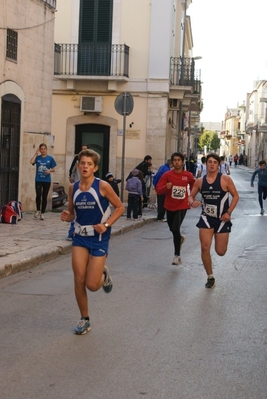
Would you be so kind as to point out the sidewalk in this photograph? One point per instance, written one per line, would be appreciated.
(31, 242)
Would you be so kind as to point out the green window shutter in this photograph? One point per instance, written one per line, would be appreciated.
(95, 21)
(95, 32)
(87, 17)
(104, 21)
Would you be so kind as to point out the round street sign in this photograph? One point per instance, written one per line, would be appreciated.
(124, 103)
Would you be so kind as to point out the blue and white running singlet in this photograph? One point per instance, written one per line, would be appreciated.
(90, 208)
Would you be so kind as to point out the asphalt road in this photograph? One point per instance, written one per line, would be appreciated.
(159, 335)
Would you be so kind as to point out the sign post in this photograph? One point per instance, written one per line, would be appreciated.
(124, 106)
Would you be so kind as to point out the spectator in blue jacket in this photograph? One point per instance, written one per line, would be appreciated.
(161, 198)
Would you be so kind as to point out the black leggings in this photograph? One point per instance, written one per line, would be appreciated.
(174, 220)
(42, 189)
(262, 192)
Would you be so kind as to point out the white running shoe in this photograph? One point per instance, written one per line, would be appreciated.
(37, 214)
(42, 216)
(176, 260)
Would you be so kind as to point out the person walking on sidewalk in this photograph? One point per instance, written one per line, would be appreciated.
(161, 198)
(73, 172)
(89, 201)
(215, 219)
(236, 160)
(45, 165)
(134, 187)
(262, 183)
(202, 169)
(174, 184)
(224, 168)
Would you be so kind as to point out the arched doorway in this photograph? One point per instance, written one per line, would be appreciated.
(10, 148)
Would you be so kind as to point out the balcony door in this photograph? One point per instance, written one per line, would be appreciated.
(95, 32)
(96, 137)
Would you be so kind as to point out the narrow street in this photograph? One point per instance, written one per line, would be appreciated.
(160, 334)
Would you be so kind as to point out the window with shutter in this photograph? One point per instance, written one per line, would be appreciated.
(95, 37)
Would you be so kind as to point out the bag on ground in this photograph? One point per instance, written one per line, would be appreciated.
(16, 205)
(8, 215)
(11, 213)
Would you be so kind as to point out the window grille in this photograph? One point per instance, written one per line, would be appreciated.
(11, 44)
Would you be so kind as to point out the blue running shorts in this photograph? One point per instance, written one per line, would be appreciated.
(95, 248)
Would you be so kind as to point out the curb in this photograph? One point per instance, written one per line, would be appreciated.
(34, 259)
(38, 255)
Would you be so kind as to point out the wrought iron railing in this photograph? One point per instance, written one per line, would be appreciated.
(91, 60)
(51, 3)
(183, 73)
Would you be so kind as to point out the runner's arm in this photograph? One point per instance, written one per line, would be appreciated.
(253, 177)
(108, 192)
(68, 215)
(196, 188)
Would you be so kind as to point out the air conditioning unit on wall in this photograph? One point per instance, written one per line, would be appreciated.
(91, 104)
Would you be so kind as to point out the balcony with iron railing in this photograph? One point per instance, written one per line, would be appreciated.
(183, 73)
(51, 3)
(92, 60)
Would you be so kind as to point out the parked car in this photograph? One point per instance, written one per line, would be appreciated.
(59, 197)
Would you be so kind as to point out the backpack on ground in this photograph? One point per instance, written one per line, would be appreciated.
(11, 213)
(16, 205)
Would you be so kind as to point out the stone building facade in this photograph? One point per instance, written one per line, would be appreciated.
(26, 70)
(141, 47)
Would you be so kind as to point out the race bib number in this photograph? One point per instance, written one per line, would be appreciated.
(178, 192)
(211, 210)
(85, 231)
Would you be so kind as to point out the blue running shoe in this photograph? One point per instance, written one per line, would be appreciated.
(82, 327)
(108, 283)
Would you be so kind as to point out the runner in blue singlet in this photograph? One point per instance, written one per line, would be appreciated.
(89, 200)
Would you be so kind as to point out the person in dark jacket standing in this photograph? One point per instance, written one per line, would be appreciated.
(145, 167)
(134, 187)
(113, 182)
(161, 197)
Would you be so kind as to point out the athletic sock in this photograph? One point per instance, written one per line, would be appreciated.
(85, 318)
(210, 276)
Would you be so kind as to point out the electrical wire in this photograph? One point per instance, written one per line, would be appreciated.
(29, 27)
